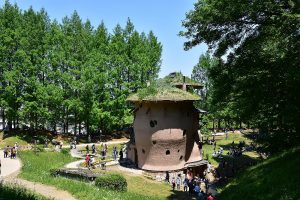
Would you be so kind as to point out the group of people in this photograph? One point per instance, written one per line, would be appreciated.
(191, 185)
(10, 152)
(89, 159)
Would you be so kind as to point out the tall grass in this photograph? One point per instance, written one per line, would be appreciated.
(36, 167)
(10, 191)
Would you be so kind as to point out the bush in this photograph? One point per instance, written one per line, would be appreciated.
(112, 182)
(75, 173)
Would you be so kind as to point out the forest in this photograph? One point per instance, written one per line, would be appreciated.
(69, 73)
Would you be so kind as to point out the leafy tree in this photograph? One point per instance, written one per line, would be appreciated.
(260, 77)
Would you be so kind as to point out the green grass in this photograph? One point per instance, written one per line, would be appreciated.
(225, 144)
(276, 178)
(36, 167)
(15, 191)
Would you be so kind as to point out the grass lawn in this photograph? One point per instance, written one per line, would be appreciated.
(98, 148)
(36, 168)
(275, 178)
(226, 144)
(11, 140)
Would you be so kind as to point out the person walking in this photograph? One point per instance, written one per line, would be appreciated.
(87, 148)
(167, 177)
(114, 153)
(93, 149)
(173, 183)
(121, 154)
(5, 152)
(178, 182)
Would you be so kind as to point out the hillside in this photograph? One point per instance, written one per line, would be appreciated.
(276, 178)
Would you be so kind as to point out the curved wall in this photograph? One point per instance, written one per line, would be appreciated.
(165, 135)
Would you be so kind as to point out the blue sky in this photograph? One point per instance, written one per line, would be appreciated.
(163, 17)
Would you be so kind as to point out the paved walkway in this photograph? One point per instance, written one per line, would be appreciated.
(10, 169)
(9, 166)
(97, 144)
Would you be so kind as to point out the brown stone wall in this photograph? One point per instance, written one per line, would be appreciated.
(165, 135)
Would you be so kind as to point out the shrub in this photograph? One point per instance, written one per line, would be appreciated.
(64, 151)
(112, 182)
(75, 173)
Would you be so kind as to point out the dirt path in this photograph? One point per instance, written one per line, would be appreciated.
(10, 169)
(45, 190)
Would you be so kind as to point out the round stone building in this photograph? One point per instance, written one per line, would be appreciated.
(165, 126)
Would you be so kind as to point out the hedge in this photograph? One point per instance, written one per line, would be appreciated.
(112, 182)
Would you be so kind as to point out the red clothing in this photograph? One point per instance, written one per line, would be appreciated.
(87, 158)
(210, 197)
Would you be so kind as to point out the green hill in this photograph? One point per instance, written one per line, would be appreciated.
(276, 178)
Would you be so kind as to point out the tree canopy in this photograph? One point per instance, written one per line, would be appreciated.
(71, 74)
(258, 46)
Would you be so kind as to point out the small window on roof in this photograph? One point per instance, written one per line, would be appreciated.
(168, 152)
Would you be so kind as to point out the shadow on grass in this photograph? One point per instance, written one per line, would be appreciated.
(180, 195)
(30, 135)
(276, 178)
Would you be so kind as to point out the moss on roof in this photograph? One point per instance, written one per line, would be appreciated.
(161, 90)
(176, 78)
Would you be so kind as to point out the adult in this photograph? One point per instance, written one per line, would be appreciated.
(206, 185)
(121, 154)
(5, 151)
(87, 149)
(103, 154)
(167, 177)
(173, 183)
(178, 182)
(93, 149)
(191, 187)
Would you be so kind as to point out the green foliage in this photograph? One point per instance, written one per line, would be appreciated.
(261, 181)
(258, 81)
(37, 168)
(164, 89)
(70, 73)
(18, 192)
(112, 181)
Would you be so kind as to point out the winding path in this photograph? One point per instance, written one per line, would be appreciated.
(10, 169)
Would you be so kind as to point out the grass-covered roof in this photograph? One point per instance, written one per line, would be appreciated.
(163, 90)
(176, 78)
